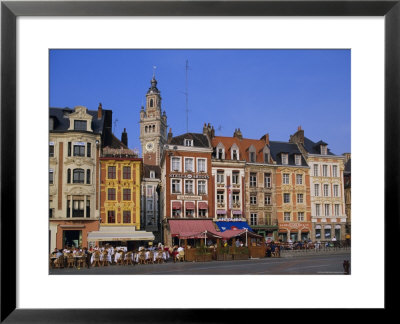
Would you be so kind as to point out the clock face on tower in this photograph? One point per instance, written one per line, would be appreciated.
(150, 146)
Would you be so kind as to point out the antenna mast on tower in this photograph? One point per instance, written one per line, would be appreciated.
(187, 98)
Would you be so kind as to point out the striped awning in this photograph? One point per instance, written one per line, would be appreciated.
(203, 205)
(176, 205)
(189, 205)
(221, 212)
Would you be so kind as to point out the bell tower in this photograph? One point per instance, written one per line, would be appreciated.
(153, 126)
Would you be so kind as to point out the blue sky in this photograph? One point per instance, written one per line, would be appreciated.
(258, 91)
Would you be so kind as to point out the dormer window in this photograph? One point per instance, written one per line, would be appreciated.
(252, 154)
(51, 123)
(152, 174)
(188, 142)
(235, 152)
(284, 158)
(324, 150)
(297, 159)
(220, 152)
(80, 125)
(266, 153)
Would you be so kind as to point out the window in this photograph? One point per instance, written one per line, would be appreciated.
(284, 158)
(317, 210)
(267, 200)
(268, 219)
(51, 181)
(152, 174)
(111, 194)
(267, 180)
(176, 164)
(51, 212)
(253, 199)
(337, 206)
(149, 205)
(266, 158)
(201, 187)
(201, 165)
(69, 148)
(327, 233)
(327, 208)
(220, 177)
(126, 194)
(253, 157)
(317, 233)
(220, 197)
(324, 170)
(176, 212)
(126, 172)
(324, 150)
(69, 176)
(286, 198)
(176, 186)
(189, 213)
(80, 125)
(326, 190)
(299, 179)
(79, 149)
(300, 199)
(77, 208)
(188, 142)
(89, 150)
(51, 150)
(126, 216)
(88, 208)
(51, 123)
(253, 179)
(253, 219)
(316, 190)
(285, 178)
(79, 176)
(151, 102)
(235, 154)
(315, 170)
(334, 171)
(297, 159)
(220, 153)
(189, 165)
(286, 216)
(236, 199)
(202, 212)
(189, 186)
(336, 190)
(235, 177)
(112, 172)
(300, 216)
(111, 217)
(88, 176)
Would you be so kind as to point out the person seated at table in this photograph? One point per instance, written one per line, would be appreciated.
(175, 253)
(58, 253)
(181, 249)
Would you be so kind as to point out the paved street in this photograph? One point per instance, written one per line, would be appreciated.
(308, 265)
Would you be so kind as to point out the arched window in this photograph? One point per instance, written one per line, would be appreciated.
(154, 128)
(69, 176)
(151, 102)
(145, 129)
(220, 151)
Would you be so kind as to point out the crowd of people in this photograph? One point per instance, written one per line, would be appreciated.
(110, 255)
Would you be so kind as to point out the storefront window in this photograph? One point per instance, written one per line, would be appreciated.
(327, 233)
(318, 234)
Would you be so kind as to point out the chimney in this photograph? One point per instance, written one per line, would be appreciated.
(124, 137)
(169, 136)
(238, 133)
(100, 111)
(265, 138)
(298, 137)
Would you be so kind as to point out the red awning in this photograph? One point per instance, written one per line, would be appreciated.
(189, 205)
(176, 205)
(203, 205)
(221, 211)
(192, 227)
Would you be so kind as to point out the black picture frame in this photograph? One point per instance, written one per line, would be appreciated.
(10, 10)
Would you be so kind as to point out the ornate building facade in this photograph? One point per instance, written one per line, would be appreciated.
(75, 143)
(327, 190)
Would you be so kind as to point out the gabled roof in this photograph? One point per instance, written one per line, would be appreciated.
(314, 148)
(61, 120)
(277, 148)
(199, 140)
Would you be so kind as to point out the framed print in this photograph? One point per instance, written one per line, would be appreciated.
(369, 30)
